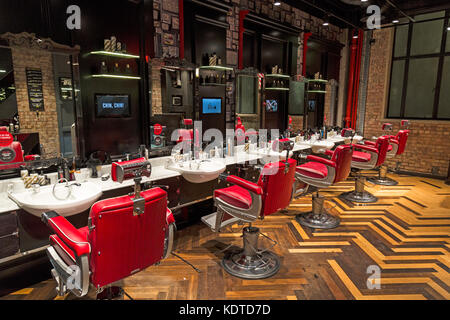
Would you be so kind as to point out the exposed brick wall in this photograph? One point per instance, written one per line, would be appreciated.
(155, 76)
(167, 27)
(297, 122)
(429, 142)
(47, 122)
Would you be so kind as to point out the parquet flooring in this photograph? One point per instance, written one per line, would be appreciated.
(406, 234)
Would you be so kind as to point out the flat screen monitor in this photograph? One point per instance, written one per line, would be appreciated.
(312, 105)
(112, 105)
(271, 105)
(212, 105)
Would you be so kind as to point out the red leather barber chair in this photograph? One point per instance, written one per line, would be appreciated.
(245, 202)
(124, 235)
(322, 173)
(243, 136)
(370, 157)
(11, 153)
(397, 145)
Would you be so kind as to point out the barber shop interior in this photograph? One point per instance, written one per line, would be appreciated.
(193, 150)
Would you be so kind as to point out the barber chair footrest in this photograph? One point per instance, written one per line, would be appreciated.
(318, 221)
(359, 197)
(260, 266)
(383, 181)
(211, 220)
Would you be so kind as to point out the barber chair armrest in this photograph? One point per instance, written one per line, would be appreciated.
(324, 161)
(329, 153)
(370, 143)
(365, 148)
(394, 141)
(67, 233)
(250, 186)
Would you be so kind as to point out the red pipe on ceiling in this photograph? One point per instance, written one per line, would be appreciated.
(242, 15)
(181, 19)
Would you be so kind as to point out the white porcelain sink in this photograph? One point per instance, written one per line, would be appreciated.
(198, 172)
(319, 146)
(43, 200)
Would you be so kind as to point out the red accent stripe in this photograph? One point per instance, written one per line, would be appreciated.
(242, 15)
(305, 50)
(181, 19)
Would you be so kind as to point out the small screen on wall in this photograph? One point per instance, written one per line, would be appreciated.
(212, 105)
(110, 106)
(271, 105)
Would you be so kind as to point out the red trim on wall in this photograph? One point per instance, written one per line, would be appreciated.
(305, 50)
(353, 81)
(181, 18)
(242, 15)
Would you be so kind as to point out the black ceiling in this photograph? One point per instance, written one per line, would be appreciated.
(347, 13)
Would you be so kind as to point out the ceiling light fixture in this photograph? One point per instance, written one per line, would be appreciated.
(277, 3)
(2, 71)
(395, 21)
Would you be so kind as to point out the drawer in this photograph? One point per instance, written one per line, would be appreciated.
(9, 246)
(8, 223)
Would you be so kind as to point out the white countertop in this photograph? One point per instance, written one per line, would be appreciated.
(159, 172)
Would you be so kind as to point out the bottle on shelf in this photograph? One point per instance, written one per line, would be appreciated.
(103, 67)
(116, 68)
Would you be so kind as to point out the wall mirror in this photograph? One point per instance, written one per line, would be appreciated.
(39, 96)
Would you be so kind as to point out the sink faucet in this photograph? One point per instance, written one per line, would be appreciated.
(63, 169)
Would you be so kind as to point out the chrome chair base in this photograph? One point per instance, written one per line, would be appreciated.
(318, 220)
(249, 262)
(383, 181)
(359, 197)
(261, 266)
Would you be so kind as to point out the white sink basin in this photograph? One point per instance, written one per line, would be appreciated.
(207, 171)
(36, 203)
(319, 146)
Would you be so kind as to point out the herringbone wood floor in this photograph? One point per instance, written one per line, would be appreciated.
(406, 234)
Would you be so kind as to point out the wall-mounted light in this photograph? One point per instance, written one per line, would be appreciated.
(395, 21)
(2, 71)
(448, 28)
(277, 3)
(326, 20)
(364, 0)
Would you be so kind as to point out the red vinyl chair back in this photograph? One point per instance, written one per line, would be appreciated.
(402, 138)
(382, 145)
(342, 156)
(276, 183)
(13, 152)
(122, 243)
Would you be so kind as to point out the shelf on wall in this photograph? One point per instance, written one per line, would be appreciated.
(317, 91)
(278, 89)
(317, 80)
(115, 54)
(222, 68)
(115, 76)
(213, 85)
(277, 76)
